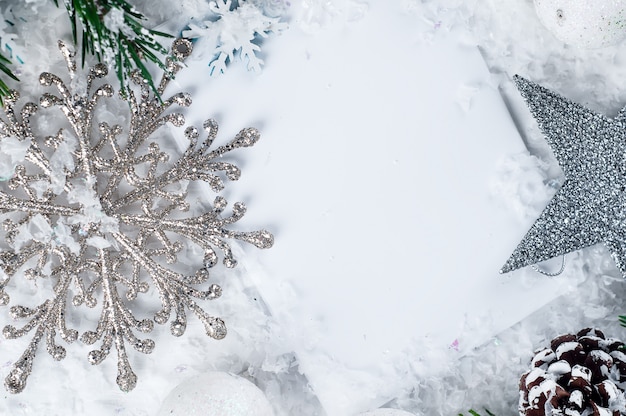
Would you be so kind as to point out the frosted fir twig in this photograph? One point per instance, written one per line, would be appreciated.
(5, 53)
(114, 31)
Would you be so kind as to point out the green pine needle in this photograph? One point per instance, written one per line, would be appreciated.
(4, 88)
(129, 48)
(622, 320)
(475, 413)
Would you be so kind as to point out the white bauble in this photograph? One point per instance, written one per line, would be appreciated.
(584, 23)
(386, 412)
(216, 394)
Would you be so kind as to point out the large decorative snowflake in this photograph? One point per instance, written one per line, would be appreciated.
(101, 214)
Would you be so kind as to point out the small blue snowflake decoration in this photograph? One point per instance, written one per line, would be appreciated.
(235, 31)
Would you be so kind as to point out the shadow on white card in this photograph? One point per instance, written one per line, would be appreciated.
(375, 168)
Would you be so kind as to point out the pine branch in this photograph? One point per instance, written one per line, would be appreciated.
(475, 413)
(113, 31)
(4, 88)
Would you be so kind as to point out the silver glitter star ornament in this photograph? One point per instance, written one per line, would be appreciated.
(590, 206)
(97, 216)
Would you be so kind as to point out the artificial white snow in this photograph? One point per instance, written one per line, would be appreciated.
(584, 24)
(36, 229)
(62, 160)
(32, 47)
(520, 185)
(12, 153)
(63, 236)
(512, 40)
(576, 397)
(565, 348)
(272, 8)
(558, 368)
(35, 4)
(79, 84)
(92, 213)
(604, 357)
(581, 371)
(387, 412)
(534, 374)
(617, 400)
(546, 388)
(314, 16)
(611, 389)
(544, 356)
(618, 355)
(114, 21)
(40, 187)
(98, 242)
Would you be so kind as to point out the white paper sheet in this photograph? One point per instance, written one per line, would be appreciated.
(374, 170)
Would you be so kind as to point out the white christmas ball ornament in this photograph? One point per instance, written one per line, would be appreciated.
(387, 412)
(584, 23)
(216, 394)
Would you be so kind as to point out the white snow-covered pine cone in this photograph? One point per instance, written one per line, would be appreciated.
(578, 375)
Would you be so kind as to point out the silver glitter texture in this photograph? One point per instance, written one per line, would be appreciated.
(590, 206)
(115, 219)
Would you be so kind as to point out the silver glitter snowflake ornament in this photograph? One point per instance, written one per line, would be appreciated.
(98, 214)
(590, 206)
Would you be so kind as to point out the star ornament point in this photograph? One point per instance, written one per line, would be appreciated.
(590, 206)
